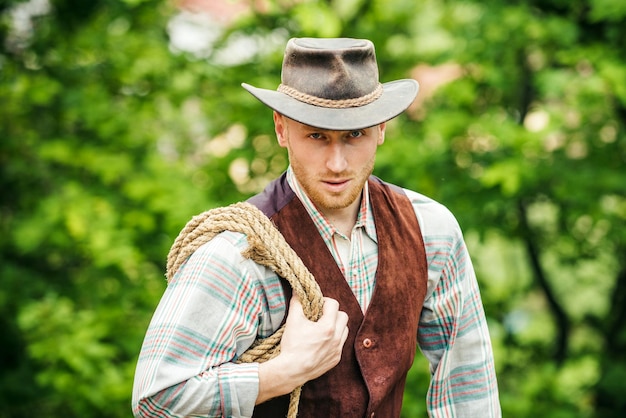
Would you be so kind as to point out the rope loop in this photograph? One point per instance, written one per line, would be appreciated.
(267, 247)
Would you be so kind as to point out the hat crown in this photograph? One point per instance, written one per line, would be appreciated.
(330, 69)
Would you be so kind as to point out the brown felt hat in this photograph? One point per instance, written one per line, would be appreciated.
(332, 83)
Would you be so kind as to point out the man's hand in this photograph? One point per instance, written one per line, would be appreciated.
(307, 350)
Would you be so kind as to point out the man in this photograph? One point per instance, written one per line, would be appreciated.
(391, 263)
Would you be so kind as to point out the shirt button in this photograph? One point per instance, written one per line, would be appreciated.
(367, 343)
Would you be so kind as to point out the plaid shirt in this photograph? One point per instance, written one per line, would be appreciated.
(219, 303)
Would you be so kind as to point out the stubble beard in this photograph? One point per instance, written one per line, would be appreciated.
(332, 201)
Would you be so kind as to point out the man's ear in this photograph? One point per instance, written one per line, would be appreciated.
(381, 132)
(281, 129)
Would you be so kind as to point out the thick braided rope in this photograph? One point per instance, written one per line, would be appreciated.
(334, 104)
(266, 247)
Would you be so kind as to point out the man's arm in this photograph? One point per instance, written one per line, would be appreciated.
(453, 335)
(211, 312)
(453, 332)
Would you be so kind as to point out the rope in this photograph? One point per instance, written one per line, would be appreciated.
(266, 247)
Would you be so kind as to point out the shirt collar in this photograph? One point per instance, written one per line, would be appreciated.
(365, 216)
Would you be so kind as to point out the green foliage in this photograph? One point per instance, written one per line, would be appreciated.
(79, 366)
(111, 139)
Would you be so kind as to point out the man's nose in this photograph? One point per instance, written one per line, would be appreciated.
(336, 159)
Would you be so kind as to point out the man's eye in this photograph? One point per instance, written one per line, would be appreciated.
(355, 134)
(315, 135)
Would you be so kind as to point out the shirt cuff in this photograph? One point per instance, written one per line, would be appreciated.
(239, 388)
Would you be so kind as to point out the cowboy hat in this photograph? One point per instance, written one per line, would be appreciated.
(332, 83)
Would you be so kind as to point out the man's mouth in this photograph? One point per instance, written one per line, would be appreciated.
(336, 185)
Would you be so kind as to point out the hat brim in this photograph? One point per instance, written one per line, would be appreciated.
(397, 96)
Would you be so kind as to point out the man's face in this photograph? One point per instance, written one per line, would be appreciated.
(331, 166)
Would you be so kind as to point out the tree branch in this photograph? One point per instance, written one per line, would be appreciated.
(560, 316)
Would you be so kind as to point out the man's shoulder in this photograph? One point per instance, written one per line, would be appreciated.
(434, 217)
(225, 245)
(276, 195)
(221, 256)
(416, 198)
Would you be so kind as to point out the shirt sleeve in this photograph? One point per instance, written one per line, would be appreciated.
(211, 312)
(453, 333)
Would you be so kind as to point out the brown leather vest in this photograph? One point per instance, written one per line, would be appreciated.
(381, 345)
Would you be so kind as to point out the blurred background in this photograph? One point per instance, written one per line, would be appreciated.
(121, 119)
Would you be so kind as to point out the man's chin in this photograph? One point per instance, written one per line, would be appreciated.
(333, 204)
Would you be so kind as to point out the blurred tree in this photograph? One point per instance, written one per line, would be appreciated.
(113, 134)
(100, 166)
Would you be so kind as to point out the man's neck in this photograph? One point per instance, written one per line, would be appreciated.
(344, 219)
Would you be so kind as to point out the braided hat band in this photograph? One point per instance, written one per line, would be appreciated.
(333, 104)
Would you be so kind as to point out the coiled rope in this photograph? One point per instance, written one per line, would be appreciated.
(266, 247)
